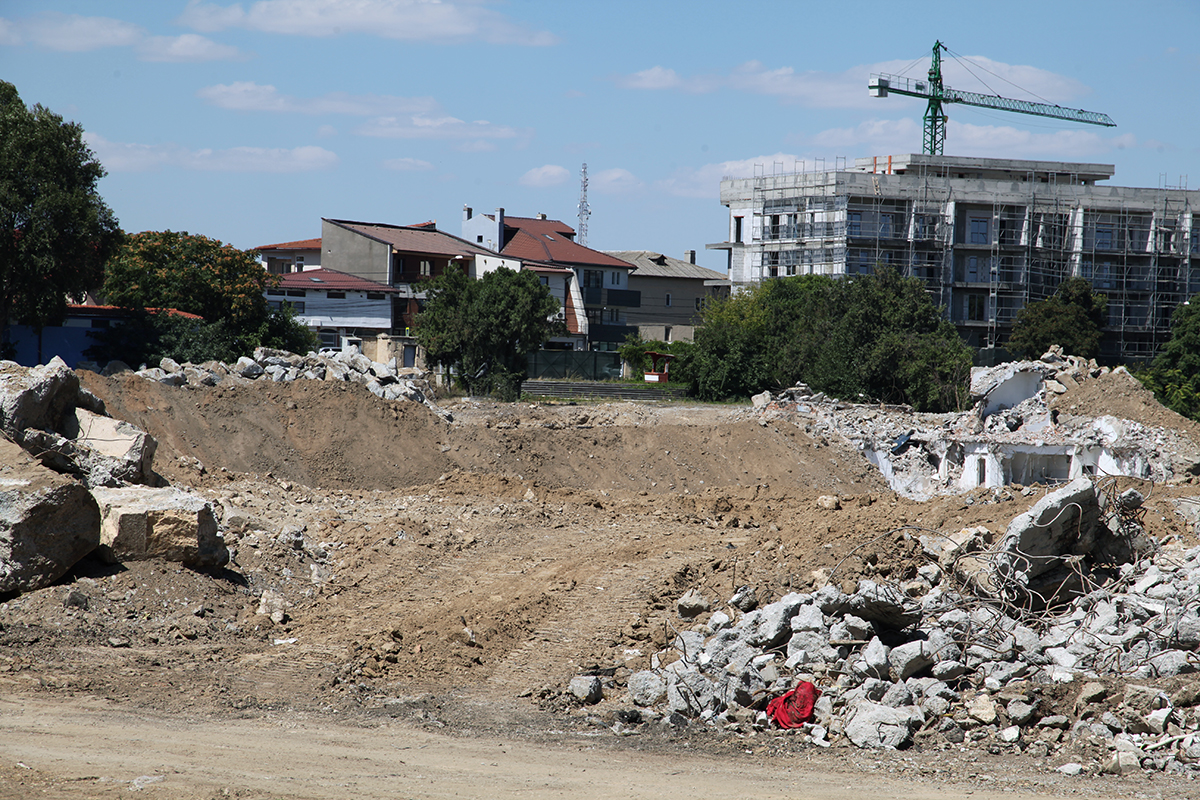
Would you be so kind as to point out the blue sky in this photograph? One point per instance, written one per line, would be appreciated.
(248, 122)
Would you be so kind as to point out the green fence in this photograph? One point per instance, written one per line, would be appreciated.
(574, 365)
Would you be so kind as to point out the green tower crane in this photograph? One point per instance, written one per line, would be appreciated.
(938, 94)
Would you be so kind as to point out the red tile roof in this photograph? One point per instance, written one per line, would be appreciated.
(544, 240)
(322, 279)
(302, 244)
(85, 310)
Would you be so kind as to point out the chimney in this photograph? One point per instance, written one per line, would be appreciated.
(467, 212)
(499, 230)
(541, 215)
(689, 256)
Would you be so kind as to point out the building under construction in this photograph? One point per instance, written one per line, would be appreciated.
(986, 235)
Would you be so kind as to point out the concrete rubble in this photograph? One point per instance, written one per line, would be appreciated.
(1009, 436)
(66, 466)
(388, 381)
(974, 659)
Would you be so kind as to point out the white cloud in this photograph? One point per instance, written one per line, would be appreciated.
(705, 181)
(848, 89)
(407, 164)
(249, 96)
(543, 177)
(420, 126)
(438, 21)
(189, 47)
(73, 33)
(614, 181)
(872, 136)
(132, 157)
(995, 141)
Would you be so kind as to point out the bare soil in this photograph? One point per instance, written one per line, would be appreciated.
(446, 580)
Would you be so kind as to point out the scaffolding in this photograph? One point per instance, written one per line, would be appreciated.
(985, 248)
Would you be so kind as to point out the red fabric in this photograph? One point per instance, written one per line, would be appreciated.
(795, 708)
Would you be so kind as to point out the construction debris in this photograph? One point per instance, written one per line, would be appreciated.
(1010, 436)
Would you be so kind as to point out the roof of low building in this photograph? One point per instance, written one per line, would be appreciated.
(325, 279)
(301, 244)
(93, 310)
(651, 264)
(550, 241)
(422, 238)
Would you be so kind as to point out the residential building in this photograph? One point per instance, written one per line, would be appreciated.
(340, 307)
(673, 292)
(988, 236)
(280, 259)
(601, 284)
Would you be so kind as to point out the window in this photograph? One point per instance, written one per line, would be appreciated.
(699, 302)
(612, 316)
(614, 278)
(545, 281)
(426, 268)
(593, 279)
(668, 303)
(375, 295)
(336, 295)
(277, 305)
(973, 268)
(854, 223)
(737, 229)
(979, 230)
(299, 263)
(1104, 237)
(297, 293)
(479, 239)
(976, 306)
(885, 226)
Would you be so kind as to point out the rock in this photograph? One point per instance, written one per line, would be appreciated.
(1092, 692)
(1010, 735)
(1062, 522)
(37, 397)
(689, 692)
(875, 659)
(1144, 698)
(771, 624)
(982, 709)
(47, 522)
(247, 368)
(692, 604)
(140, 523)
(910, 658)
(587, 689)
(761, 400)
(744, 599)
(646, 687)
(1070, 768)
(883, 604)
(873, 725)
(272, 604)
(1021, 712)
(1122, 763)
(110, 451)
(829, 502)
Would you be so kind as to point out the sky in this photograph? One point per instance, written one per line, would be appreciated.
(249, 122)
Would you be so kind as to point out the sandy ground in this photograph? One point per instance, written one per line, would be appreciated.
(445, 581)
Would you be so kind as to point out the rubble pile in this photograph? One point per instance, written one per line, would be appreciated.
(1036, 640)
(1010, 435)
(388, 381)
(65, 473)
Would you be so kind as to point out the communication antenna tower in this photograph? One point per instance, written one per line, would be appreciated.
(585, 210)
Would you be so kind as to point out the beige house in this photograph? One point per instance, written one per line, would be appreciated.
(673, 291)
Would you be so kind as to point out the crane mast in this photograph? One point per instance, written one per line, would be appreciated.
(933, 90)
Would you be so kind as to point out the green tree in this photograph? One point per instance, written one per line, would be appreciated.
(199, 275)
(1174, 375)
(875, 336)
(485, 329)
(1073, 318)
(55, 230)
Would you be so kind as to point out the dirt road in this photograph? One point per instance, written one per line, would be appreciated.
(88, 749)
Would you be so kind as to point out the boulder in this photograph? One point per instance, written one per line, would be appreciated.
(1062, 522)
(586, 689)
(47, 522)
(873, 725)
(646, 687)
(36, 397)
(110, 447)
(142, 523)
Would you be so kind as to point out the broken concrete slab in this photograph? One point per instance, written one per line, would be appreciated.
(1060, 523)
(130, 447)
(143, 523)
(47, 522)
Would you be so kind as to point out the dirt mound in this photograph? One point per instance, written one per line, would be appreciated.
(1123, 396)
(339, 435)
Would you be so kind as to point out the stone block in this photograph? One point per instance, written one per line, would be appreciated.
(876, 726)
(143, 523)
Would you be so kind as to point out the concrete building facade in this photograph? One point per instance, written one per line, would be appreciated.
(672, 293)
(988, 236)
